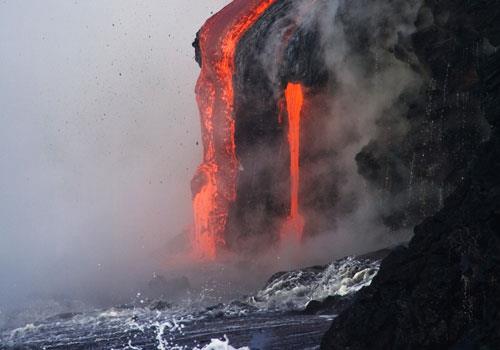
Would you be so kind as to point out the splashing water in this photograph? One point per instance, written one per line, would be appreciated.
(184, 327)
(293, 290)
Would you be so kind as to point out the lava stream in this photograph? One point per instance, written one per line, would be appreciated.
(294, 97)
(214, 185)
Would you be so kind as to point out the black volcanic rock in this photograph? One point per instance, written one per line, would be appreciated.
(443, 291)
(159, 305)
(332, 304)
(446, 120)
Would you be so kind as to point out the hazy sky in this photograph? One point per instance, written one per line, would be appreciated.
(98, 133)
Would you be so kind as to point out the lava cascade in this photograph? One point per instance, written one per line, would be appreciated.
(214, 185)
(294, 99)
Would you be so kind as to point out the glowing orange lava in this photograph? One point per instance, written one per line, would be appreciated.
(294, 97)
(216, 177)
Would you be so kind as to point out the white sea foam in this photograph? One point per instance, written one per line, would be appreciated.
(293, 290)
(217, 344)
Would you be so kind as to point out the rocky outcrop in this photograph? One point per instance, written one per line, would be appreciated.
(443, 290)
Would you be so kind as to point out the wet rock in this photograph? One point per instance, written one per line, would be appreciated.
(159, 305)
(333, 304)
(62, 317)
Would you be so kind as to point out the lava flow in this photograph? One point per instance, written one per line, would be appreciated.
(214, 185)
(294, 97)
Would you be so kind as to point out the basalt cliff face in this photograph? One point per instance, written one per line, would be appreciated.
(393, 107)
(443, 290)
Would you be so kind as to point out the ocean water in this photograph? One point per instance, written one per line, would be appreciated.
(271, 318)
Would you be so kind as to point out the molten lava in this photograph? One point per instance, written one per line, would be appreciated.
(214, 185)
(294, 97)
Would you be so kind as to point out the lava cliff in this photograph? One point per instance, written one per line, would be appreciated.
(382, 111)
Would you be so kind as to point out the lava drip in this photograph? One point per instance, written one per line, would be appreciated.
(294, 98)
(214, 184)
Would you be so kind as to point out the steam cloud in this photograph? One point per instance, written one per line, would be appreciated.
(369, 83)
(99, 132)
(98, 136)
